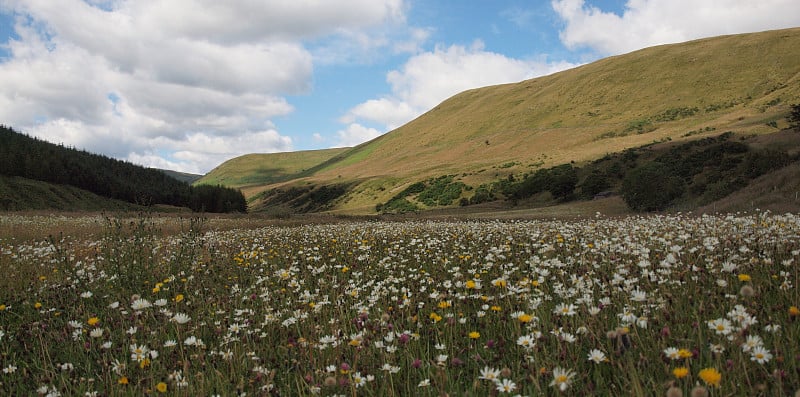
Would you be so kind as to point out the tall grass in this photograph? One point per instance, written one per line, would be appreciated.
(594, 307)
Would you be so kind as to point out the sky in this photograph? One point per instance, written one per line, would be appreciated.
(188, 84)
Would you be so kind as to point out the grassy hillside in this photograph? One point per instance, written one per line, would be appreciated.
(266, 168)
(739, 83)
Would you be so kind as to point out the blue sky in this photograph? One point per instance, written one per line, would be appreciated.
(188, 84)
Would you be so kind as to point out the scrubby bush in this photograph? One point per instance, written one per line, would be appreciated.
(794, 116)
(562, 181)
(593, 184)
(482, 194)
(651, 187)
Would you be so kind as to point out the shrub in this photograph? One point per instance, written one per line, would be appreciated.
(794, 116)
(562, 181)
(482, 195)
(594, 183)
(651, 187)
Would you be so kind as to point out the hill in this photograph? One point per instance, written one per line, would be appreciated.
(739, 83)
(266, 168)
(28, 158)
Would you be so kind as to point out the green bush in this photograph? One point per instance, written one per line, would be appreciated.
(794, 116)
(651, 187)
(441, 191)
(593, 184)
(482, 195)
(562, 181)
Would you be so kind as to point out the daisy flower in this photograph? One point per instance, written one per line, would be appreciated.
(181, 318)
(564, 309)
(562, 378)
(752, 342)
(672, 353)
(721, 326)
(597, 356)
(140, 304)
(489, 373)
(506, 386)
(760, 355)
(525, 341)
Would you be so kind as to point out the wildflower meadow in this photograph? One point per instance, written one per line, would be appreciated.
(652, 305)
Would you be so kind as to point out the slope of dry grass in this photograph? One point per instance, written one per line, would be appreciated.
(736, 83)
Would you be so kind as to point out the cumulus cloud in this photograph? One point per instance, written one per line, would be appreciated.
(355, 134)
(646, 23)
(429, 78)
(179, 83)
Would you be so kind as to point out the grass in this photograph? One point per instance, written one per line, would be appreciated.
(268, 168)
(594, 306)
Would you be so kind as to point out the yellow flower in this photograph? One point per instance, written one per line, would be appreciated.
(345, 269)
(496, 308)
(683, 353)
(2, 307)
(144, 363)
(37, 305)
(794, 311)
(474, 335)
(123, 380)
(525, 318)
(711, 376)
(470, 284)
(161, 387)
(535, 283)
(744, 277)
(444, 304)
(680, 372)
(435, 317)
(178, 297)
(93, 321)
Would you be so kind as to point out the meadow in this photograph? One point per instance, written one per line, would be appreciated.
(641, 305)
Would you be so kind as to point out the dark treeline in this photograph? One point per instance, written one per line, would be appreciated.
(27, 157)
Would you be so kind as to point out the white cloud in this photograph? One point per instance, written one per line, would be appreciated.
(355, 134)
(646, 23)
(429, 78)
(185, 83)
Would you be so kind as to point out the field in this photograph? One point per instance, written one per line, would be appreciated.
(658, 305)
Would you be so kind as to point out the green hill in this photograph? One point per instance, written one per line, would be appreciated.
(33, 159)
(739, 83)
(266, 168)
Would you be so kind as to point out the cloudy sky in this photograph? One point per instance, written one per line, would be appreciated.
(187, 84)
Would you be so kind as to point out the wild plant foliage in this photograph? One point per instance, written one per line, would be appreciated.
(633, 306)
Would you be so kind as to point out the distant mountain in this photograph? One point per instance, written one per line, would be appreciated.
(738, 83)
(25, 157)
